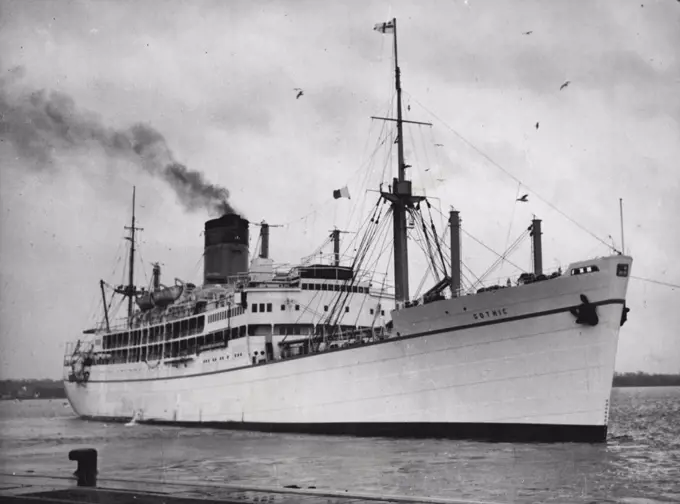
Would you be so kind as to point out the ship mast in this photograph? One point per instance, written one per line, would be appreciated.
(401, 195)
(130, 290)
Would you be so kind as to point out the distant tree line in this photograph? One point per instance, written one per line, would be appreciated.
(32, 389)
(641, 379)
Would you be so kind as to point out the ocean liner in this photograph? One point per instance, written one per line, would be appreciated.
(322, 347)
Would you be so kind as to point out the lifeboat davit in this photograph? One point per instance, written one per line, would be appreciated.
(144, 301)
(166, 296)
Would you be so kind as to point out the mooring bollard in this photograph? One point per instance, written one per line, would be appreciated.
(87, 466)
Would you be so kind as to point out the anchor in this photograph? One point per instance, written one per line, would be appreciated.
(585, 313)
(624, 313)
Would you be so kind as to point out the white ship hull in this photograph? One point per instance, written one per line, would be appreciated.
(512, 364)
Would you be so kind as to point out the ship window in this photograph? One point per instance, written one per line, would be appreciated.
(261, 307)
(622, 270)
(372, 311)
(325, 308)
(269, 307)
(297, 307)
(324, 287)
(584, 269)
(382, 312)
(346, 309)
(283, 307)
(254, 308)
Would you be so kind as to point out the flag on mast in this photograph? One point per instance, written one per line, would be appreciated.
(387, 27)
(341, 193)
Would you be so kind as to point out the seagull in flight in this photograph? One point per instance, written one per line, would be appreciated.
(439, 145)
(300, 93)
(564, 85)
(528, 32)
(524, 198)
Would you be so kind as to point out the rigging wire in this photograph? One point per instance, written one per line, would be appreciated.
(497, 165)
(489, 248)
(141, 260)
(501, 259)
(512, 216)
(659, 282)
(472, 284)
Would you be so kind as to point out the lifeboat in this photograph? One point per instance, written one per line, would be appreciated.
(166, 296)
(144, 301)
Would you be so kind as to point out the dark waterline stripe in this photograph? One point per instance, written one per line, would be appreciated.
(390, 340)
(490, 432)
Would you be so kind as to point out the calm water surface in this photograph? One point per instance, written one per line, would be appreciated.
(639, 464)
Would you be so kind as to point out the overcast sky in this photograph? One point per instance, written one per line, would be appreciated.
(99, 96)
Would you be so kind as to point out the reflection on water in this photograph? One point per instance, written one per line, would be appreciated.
(639, 463)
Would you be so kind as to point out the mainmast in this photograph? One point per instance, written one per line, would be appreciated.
(401, 195)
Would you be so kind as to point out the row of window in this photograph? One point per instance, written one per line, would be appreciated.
(183, 328)
(155, 334)
(225, 314)
(335, 287)
(267, 307)
(169, 350)
(584, 269)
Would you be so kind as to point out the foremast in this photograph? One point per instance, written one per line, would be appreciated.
(400, 195)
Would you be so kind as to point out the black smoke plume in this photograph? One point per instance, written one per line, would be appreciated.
(39, 124)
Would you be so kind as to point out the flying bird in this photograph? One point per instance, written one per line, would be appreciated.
(524, 198)
(536, 125)
(439, 145)
(564, 85)
(300, 93)
(528, 32)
